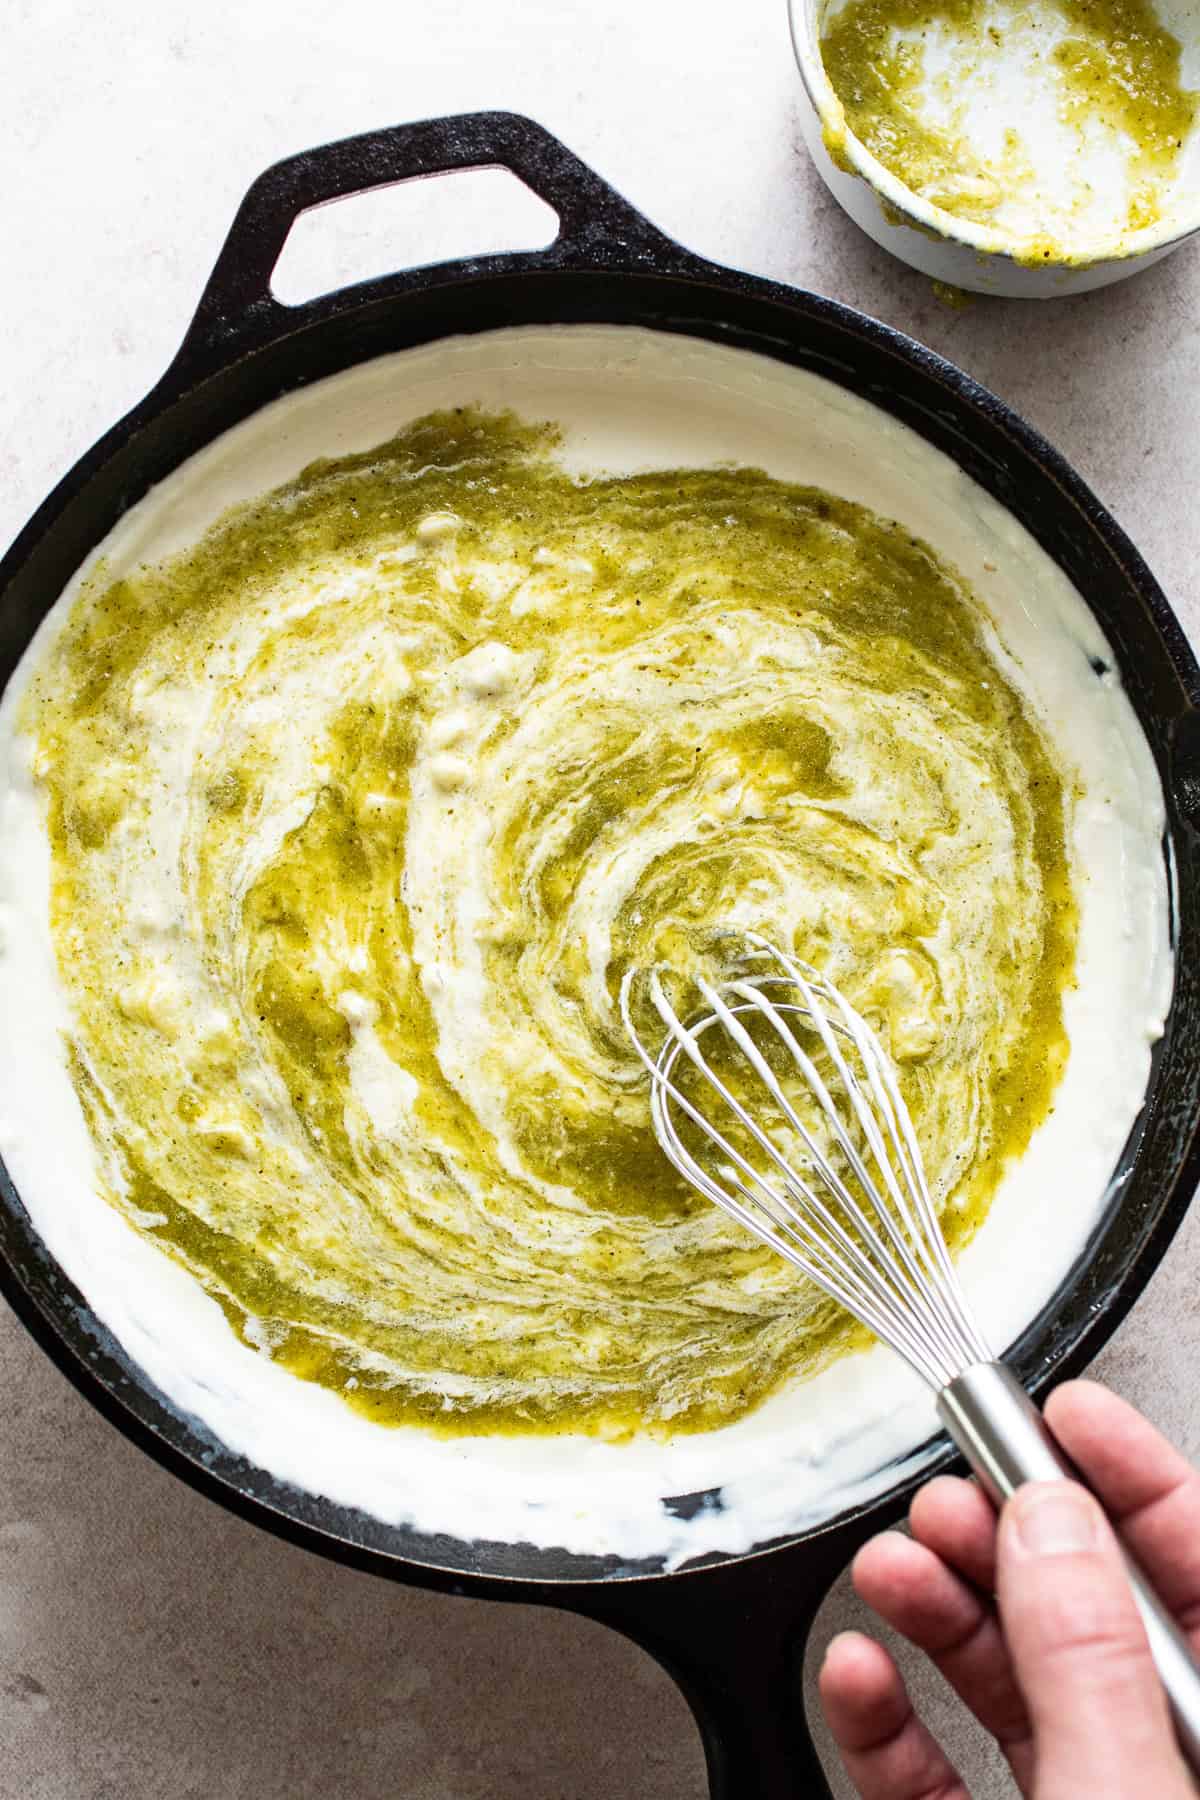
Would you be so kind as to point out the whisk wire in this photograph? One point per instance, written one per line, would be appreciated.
(800, 1246)
(793, 1223)
(900, 1239)
(933, 1277)
(896, 1274)
(886, 1291)
(877, 1247)
(911, 1196)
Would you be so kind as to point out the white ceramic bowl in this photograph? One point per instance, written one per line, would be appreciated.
(956, 250)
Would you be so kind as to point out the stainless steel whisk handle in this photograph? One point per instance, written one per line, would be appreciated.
(1007, 1443)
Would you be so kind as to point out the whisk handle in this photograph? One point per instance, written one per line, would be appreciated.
(1007, 1443)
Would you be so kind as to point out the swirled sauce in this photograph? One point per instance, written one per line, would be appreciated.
(1062, 123)
(361, 807)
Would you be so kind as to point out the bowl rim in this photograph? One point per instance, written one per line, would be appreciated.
(920, 214)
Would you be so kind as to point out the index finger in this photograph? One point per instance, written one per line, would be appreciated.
(1148, 1488)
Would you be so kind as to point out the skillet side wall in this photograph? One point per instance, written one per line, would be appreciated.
(216, 382)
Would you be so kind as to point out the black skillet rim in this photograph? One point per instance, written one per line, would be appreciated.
(608, 264)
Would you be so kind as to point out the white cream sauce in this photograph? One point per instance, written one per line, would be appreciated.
(626, 400)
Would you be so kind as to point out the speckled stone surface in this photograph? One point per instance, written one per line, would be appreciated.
(152, 1648)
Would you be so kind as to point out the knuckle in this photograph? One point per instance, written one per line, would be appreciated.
(1100, 1647)
(1108, 1646)
(1082, 1596)
(1088, 1619)
(1000, 1707)
(985, 1681)
(966, 1636)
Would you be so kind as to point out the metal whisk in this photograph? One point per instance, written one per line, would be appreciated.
(839, 1190)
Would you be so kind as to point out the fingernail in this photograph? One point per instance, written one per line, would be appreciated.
(1055, 1518)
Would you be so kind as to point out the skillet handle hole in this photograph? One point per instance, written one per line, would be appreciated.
(412, 224)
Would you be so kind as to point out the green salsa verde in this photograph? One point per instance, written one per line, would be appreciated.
(361, 808)
(1108, 70)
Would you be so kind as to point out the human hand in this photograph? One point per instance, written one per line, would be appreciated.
(1058, 1669)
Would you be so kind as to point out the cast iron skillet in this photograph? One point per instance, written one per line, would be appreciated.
(729, 1631)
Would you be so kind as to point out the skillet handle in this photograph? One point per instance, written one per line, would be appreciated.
(732, 1638)
(598, 228)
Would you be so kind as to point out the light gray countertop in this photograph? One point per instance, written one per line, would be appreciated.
(151, 1646)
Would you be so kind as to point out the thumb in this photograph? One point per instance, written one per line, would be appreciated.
(1099, 1716)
